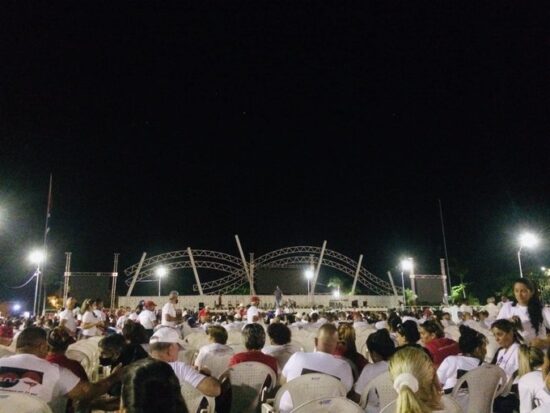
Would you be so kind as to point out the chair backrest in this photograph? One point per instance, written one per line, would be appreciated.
(22, 403)
(5, 351)
(193, 399)
(187, 355)
(329, 405)
(383, 386)
(308, 387)
(483, 386)
(248, 380)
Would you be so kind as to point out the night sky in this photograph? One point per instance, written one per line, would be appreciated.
(168, 125)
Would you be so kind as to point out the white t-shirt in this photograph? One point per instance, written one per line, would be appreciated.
(212, 350)
(532, 391)
(70, 322)
(370, 372)
(185, 372)
(508, 359)
(169, 309)
(448, 369)
(317, 362)
(27, 373)
(147, 319)
(90, 317)
(100, 314)
(281, 352)
(508, 311)
(133, 316)
(251, 313)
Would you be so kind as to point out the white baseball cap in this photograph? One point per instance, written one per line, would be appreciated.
(167, 335)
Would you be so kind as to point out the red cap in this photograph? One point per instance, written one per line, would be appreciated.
(149, 303)
(254, 299)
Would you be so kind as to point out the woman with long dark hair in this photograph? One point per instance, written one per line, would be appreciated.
(529, 311)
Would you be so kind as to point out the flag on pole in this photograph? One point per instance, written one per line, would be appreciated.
(48, 211)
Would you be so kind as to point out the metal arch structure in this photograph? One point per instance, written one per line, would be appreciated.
(236, 274)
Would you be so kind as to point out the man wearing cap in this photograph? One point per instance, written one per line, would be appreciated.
(253, 314)
(147, 318)
(165, 345)
(169, 313)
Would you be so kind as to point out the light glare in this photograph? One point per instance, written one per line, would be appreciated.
(37, 257)
(161, 271)
(528, 240)
(407, 264)
(309, 274)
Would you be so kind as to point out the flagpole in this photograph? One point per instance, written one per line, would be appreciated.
(445, 246)
(46, 230)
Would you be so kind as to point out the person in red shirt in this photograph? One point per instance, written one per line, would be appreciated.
(433, 339)
(6, 333)
(254, 340)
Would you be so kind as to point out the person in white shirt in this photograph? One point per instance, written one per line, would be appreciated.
(28, 372)
(214, 358)
(491, 308)
(148, 318)
(169, 312)
(165, 345)
(98, 310)
(321, 361)
(253, 314)
(281, 348)
(473, 347)
(534, 318)
(66, 317)
(531, 382)
(507, 357)
(381, 348)
(90, 322)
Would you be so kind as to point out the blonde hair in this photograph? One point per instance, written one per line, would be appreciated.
(529, 359)
(415, 361)
(346, 333)
(86, 305)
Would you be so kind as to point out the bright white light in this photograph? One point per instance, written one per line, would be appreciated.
(161, 271)
(37, 257)
(309, 274)
(26, 314)
(336, 293)
(16, 307)
(407, 264)
(528, 240)
(543, 268)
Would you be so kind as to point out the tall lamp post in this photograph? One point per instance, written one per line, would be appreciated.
(309, 273)
(160, 272)
(36, 257)
(527, 240)
(406, 265)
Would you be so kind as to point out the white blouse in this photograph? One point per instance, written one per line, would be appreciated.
(508, 311)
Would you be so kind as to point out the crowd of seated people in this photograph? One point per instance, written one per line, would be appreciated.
(424, 350)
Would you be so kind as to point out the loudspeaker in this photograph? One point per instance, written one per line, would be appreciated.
(201, 305)
(364, 304)
(355, 304)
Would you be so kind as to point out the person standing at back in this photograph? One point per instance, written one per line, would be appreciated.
(147, 318)
(66, 317)
(169, 312)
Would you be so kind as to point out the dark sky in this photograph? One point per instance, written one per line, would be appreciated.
(169, 125)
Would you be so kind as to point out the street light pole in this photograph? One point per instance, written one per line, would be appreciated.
(36, 305)
(519, 262)
(161, 272)
(403, 288)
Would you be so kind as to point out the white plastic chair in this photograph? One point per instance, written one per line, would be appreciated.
(483, 387)
(383, 386)
(22, 403)
(249, 382)
(197, 340)
(305, 388)
(5, 351)
(193, 399)
(329, 405)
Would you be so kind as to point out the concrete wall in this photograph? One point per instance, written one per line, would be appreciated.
(192, 301)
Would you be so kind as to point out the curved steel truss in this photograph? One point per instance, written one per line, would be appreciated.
(236, 275)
